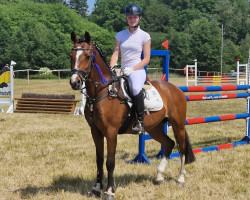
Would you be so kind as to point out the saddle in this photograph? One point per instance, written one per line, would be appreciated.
(152, 99)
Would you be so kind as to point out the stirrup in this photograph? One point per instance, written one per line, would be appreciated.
(138, 128)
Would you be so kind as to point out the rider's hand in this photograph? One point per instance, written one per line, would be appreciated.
(127, 71)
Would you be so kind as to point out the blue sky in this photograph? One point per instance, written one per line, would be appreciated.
(90, 4)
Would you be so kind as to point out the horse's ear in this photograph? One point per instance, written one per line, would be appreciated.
(87, 37)
(73, 37)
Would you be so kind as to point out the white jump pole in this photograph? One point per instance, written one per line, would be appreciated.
(195, 73)
(9, 99)
(241, 81)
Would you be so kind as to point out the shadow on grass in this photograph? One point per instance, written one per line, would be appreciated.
(59, 184)
(79, 185)
(214, 142)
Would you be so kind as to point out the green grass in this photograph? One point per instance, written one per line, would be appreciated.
(47, 156)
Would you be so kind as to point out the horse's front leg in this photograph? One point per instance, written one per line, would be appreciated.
(99, 144)
(110, 164)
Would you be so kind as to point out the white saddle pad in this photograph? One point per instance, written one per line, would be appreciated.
(152, 101)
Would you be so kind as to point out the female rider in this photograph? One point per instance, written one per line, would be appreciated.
(131, 42)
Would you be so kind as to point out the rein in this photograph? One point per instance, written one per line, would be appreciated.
(99, 70)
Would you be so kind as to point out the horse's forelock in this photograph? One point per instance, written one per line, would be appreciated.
(81, 40)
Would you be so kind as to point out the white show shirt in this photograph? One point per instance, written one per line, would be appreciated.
(131, 46)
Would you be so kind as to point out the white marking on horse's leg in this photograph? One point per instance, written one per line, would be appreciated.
(109, 192)
(181, 178)
(97, 187)
(161, 169)
(96, 191)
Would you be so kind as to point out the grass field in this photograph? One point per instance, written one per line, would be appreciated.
(52, 157)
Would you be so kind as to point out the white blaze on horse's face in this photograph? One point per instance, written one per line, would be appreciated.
(73, 78)
(78, 55)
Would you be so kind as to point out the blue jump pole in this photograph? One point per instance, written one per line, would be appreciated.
(247, 136)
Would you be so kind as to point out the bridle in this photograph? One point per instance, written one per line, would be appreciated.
(83, 75)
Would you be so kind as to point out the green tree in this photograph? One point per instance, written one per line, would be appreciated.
(49, 1)
(5, 35)
(38, 34)
(156, 40)
(80, 6)
(110, 15)
(156, 17)
(179, 45)
(231, 53)
(205, 6)
(245, 49)
(205, 43)
(234, 15)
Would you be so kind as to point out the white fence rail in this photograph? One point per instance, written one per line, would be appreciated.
(32, 70)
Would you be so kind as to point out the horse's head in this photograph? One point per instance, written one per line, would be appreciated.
(81, 60)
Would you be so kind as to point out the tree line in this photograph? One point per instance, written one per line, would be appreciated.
(193, 28)
(36, 33)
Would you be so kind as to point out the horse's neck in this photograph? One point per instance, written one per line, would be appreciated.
(98, 76)
(104, 72)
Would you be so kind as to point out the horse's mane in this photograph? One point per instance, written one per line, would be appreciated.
(101, 53)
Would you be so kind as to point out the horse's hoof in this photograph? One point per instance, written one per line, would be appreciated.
(94, 193)
(181, 183)
(108, 196)
(181, 180)
(159, 181)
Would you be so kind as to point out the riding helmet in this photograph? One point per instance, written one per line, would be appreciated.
(133, 9)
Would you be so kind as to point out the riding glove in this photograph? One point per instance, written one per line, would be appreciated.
(128, 71)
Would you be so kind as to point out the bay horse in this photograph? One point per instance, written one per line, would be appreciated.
(106, 114)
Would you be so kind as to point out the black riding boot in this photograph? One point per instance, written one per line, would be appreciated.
(138, 128)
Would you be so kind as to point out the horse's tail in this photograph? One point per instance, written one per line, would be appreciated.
(189, 155)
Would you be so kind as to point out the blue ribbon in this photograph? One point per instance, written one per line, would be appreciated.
(99, 70)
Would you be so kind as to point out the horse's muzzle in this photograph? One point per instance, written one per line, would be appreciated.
(75, 82)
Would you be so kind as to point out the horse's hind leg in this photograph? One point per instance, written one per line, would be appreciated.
(168, 144)
(180, 137)
(185, 149)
